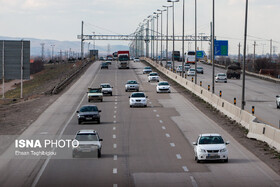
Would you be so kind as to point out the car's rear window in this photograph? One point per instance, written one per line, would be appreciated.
(89, 109)
(105, 86)
(86, 137)
(131, 82)
(94, 91)
(138, 95)
(147, 68)
(211, 140)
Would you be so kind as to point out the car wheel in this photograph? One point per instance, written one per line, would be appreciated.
(79, 122)
(125, 90)
(74, 155)
(145, 105)
(99, 153)
(138, 90)
(89, 100)
(158, 80)
(225, 81)
(111, 94)
(98, 121)
(278, 106)
(197, 160)
(148, 80)
(101, 100)
(130, 106)
(226, 160)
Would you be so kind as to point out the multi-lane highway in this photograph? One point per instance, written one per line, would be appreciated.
(141, 146)
(259, 93)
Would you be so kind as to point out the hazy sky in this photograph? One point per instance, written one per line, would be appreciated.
(61, 19)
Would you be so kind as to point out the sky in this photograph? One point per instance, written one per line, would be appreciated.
(61, 20)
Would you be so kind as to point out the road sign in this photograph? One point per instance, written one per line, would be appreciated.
(199, 54)
(221, 47)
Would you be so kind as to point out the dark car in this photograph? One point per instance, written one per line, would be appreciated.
(88, 113)
(104, 65)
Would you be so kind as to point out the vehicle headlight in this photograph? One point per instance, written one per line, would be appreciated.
(132, 100)
(81, 116)
(223, 150)
(203, 150)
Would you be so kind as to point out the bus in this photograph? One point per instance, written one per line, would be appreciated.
(191, 57)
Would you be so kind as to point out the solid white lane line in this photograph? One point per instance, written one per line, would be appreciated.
(115, 157)
(172, 144)
(157, 115)
(167, 135)
(193, 181)
(114, 128)
(163, 127)
(185, 168)
(114, 136)
(115, 146)
(160, 121)
(178, 156)
(115, 170)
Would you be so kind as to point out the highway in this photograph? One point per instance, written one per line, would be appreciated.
(259, 93)
(141, 146)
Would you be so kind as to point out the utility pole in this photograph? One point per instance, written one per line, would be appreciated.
(213, 47)
(82, 40)
(270, 56)
(183, 42)
(239, 59)
(195, 18)
(244, 58)
(254, 57)
(43, 51)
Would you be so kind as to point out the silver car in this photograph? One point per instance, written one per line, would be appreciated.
(221, 77)
(132, 85)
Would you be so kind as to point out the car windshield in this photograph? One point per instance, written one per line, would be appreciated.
(89, 109)
(131, 82)
(147, 68)
(211, 140)
(94, 91)
(169, 62)
(105, 86)
(153, 74)
(123, 58)
(192, 70)
(138, 94)
(199, 68)
(86, 137)
(221, 74)
(163, 84)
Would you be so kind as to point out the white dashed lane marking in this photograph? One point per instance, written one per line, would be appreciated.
(115, 121)
(115, 146)
(116, 107)
(167, 135)
(114, 128)
(116, 103)
(160, 121)
(178, 156)
(163, 127)
(172, 144)
(185, 168)
(114, 136)
(115, 111)
(114, 116)
(115, 157)
(155, 110)
(115, 170)
(157, 115)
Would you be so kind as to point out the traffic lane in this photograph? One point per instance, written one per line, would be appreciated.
(258, 93)
(16, 172)
(242, 163)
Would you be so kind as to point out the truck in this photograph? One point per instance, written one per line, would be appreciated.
(95, 94)
(234, 70)
(176, 55)
(123, 59)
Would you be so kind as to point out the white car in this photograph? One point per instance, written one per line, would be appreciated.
(163, 86)
(136, 60)
(191, 72)
(153, 76)
(278, 101)
(221, 77)
(106, 88)
(138, 99)
(210, 147)
(147, 70)
(132, 85)
(89, 143)
(179, 68)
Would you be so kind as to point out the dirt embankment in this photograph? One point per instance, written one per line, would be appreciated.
(17, 114)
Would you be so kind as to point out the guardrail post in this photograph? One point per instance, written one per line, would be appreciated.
(200, 83)
(253, 110)
(208, 87)
(234, 101)
(220, 93)
(185, 76)
(192, 79)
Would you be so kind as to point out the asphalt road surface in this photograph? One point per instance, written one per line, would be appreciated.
(142, 146)
(258, 93)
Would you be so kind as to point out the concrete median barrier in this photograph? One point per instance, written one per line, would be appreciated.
(259, 131)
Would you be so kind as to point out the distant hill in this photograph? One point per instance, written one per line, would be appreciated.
(36, 48)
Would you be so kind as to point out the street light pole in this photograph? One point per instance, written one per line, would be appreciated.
(167, 31)
(244, 58)
(173, 32)
(156, 13)
(183, 42)
(195, 40)
(161, 51)
(213, 48)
